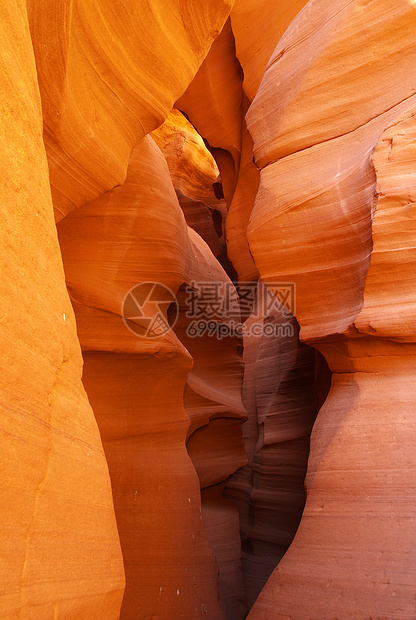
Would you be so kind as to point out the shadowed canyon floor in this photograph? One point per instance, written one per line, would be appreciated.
(208, 310)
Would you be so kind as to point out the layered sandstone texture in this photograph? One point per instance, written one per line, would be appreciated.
(84, 71)
(136, 386)
(109, 74)
(133, 457)
(195, 175)
(283, 379)
(60, 551)
(333, 129)
(279, 393)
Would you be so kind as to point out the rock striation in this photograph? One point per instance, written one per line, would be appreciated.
(283, 380)
(60, 550)
(157, 158)
(257, 26)
(63, 556)
(194, 174)
(108, 75)
(136, 385)
(331, 170)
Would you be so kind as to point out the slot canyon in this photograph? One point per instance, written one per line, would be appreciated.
(208, 309)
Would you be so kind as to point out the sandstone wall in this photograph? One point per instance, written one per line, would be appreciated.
(332, 136)
(62, 550)
(59, 544)
(115, 487)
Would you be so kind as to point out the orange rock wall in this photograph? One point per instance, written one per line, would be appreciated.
(60, 551)
(333, 215)
(193, 172)
(276, 466)
(137, 233)
(309, 111)
(63, 556)
(281, 397)
(258, 26)
(213, 102)
(108, 74)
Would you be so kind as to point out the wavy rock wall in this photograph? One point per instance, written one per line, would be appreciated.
(194, 175)
(257, 26)
(283, 380)
(108, 74)
(334, 192)
(63, 556)
(278, 390)
(320, 220)
(327, 204)
(136, 385)
(212, 396)
(218, 119)
(59, 544)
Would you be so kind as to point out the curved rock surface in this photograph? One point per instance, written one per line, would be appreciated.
(135, 385)
(221, 523)
(329, 48)
(312, 126)
(108, 75)
(240, 210)
(59, 544)
(212, 400)
(258, 25)
(389, 282)
(332, 175)
(218, 118)
(194, 173)
(191, 166)
(280, 394)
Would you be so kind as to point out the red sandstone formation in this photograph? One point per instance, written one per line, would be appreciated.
(309, 111)
(194, 172)
(257, 27)
(212, 400)
(218, 118)
(252, 495)
(60, 554)
(135, 386)
(332, 173)
(280, 396)
(221, 523)
(240, 210)
(109, 74)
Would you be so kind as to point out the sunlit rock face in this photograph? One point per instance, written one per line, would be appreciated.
(213, 103)
(136, 386)
(269, 492)
(60, 553)
(194, 174)
(258, 26)
(78, 66)
(334, 193)
(124, 494)
(108, 75)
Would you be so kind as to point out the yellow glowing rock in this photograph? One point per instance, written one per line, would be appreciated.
(108, 74)
(60, 550)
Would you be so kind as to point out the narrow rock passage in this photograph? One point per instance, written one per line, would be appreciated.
(208, 249)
